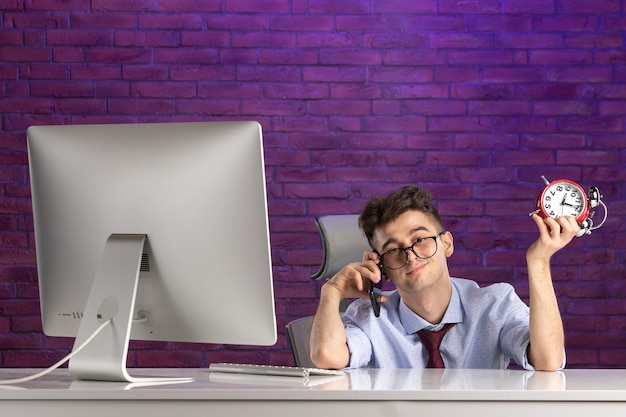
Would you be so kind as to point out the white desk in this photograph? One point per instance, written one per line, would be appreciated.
(362, 393)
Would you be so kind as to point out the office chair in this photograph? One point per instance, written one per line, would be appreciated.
(342, 243)
(299, 331)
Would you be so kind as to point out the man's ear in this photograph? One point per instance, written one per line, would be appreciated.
(448, 243)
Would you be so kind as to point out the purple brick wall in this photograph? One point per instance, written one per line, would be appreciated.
(473, 100)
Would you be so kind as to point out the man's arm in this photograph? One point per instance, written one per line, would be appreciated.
(547, 344)
(328, 342)
(329, 347)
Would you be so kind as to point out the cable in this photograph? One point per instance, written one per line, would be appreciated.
(59, 363)
(605, 216)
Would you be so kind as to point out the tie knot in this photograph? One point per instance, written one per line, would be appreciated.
(431, 341)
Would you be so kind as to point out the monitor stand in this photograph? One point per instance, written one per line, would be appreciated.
(112, 297)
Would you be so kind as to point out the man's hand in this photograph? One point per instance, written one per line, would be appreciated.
(353, 280)
(554, 234)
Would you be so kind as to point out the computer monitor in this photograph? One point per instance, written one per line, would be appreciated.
(161, 226)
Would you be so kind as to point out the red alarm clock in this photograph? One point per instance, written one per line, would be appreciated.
(567, 198)
(563, 198)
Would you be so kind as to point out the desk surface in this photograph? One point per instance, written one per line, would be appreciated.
(402, 389)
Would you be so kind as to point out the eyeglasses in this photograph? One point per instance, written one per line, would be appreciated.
(423, 248)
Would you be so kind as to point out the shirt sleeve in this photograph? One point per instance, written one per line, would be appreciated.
(359, 344)
(515, 336)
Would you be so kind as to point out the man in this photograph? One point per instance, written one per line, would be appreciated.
(486, 327)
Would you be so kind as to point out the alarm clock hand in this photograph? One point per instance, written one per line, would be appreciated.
(564, 202)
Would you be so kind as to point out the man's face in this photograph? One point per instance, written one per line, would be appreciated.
(407, 229)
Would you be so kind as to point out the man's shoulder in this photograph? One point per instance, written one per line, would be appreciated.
(494, 297)
(468, 286)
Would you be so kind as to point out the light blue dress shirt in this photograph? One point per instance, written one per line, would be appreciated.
(492, 327)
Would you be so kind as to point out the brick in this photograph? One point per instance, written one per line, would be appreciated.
(140, 106)
(491, 57)
(103, 20)
(475, 175)
(513, 75)
(503, 23)
(611, 23)
(501, 107)
(491, 91)
(579, 75)
(459, 40)
(526, 124)
(591, 124)
(181, 56)
(25, 106)
(288, 57)
(263, 39)
(406, 6)
(527, 41)
(587, 157)
(350, 57)
(302, 23)
(355, 107)
(339, 191)
(180, 21)
(564, 23)
(589, 6)
(339, 8)
(47, 5)
(450, 159)
(395, 124)
(396, 41)
(613, 108)
(21, 54)
(126, 56)
(486, 141)
(451, 124)
(147, 38)
(194, 72)
(553, 141)
(414, 91)
(194, 6)
(561, 58)
(82, 37)
(80, 106)
(367, 23)
(158, 89)
(124, 5)
(401, 75)
(268, 73)
(259, 6)
(488, 6)
(328, 40)
(548, 92)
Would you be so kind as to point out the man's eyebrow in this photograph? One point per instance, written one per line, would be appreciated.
(392, 241)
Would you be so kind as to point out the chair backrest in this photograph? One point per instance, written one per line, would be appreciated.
(299, 331)
(342, 241)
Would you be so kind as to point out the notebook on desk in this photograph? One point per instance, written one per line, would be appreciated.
(290, 371)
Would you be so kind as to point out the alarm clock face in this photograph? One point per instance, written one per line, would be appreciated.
(563, 198)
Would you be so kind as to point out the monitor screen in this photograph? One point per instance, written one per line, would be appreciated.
(161, 227)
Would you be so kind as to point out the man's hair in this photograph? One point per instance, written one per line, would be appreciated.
(380, 211)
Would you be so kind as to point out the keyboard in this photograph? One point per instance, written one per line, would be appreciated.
(296, 371)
